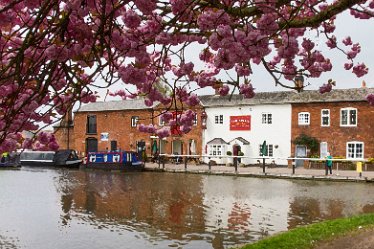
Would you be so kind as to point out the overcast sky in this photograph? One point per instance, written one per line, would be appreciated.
(359, 30)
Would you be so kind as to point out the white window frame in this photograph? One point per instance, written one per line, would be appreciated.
(160, 121)
(323, 149)
(302, 120)
(327, 115)
(216, 149)
(134, 121)
(349, 111)
(267, 118)
(355, 154)
(218, 119)
(270, 150)
(195, 120)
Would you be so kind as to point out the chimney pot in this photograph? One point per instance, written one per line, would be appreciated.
(363, 85)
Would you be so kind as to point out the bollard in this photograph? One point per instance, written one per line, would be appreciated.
(263, 165)
(159, 161)
(359, 168)
(210, 165)
(185, 163)
(293, 166)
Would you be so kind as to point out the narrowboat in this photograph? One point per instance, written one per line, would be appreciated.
(113, 160)
(60, 158)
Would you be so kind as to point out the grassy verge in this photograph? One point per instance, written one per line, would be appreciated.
(306, 237)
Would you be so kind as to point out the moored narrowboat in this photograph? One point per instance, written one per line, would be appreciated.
(60, 158)
(113, 160)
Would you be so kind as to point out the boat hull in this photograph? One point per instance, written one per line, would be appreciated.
(74, 164)
(61, 158)
(114, 166)
(124, 161)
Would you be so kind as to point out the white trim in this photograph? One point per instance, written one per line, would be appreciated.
(218, 119)
(323, 149)
(33, 160)
(160, 121)
(134, 121)
(325, 115)
(73, 162)
(348, 109)
(355, 150)
(301, 118)
(265, 117)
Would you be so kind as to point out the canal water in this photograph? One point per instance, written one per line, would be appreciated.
(48, 208)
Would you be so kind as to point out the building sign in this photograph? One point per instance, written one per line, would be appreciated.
(104, 136)
(240, 123)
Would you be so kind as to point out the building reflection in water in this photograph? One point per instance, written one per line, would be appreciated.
(181, 208)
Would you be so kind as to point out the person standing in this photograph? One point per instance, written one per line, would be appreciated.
(328, 166)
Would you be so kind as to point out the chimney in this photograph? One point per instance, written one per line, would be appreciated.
(216, 88)
(363, 85)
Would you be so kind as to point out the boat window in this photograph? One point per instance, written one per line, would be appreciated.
(37, 156)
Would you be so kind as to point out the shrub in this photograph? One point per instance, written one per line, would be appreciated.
(240, 153)
(229, 153)
(310, 142)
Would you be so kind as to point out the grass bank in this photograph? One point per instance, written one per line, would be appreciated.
(306, 237)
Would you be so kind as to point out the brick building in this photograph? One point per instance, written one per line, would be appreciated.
(113, 125)
(178, 143)
(342, 122)
(64, 132)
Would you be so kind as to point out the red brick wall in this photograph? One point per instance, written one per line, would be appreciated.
(194, 134)
(116, 123)
(65, 137)
(335, 135)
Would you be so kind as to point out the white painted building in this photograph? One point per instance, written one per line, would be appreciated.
(244, 124)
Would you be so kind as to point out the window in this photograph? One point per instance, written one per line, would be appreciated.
(218, 119)
(348, 117)
(161, 122)
(323, 149)
(267, 118)
(355, 150)
(195, 120)
(304, 118)
(91, 124)
(215, 150)
(325, 117)
(134, 121)
(269, 148)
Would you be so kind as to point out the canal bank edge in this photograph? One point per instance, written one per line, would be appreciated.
(267, 175)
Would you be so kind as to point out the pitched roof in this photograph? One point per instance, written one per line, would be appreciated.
(133, 104)
(242, 140)
(217, 141)
(284, 97)
(288, 97)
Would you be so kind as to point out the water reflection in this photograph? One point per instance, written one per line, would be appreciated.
(97, 209)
